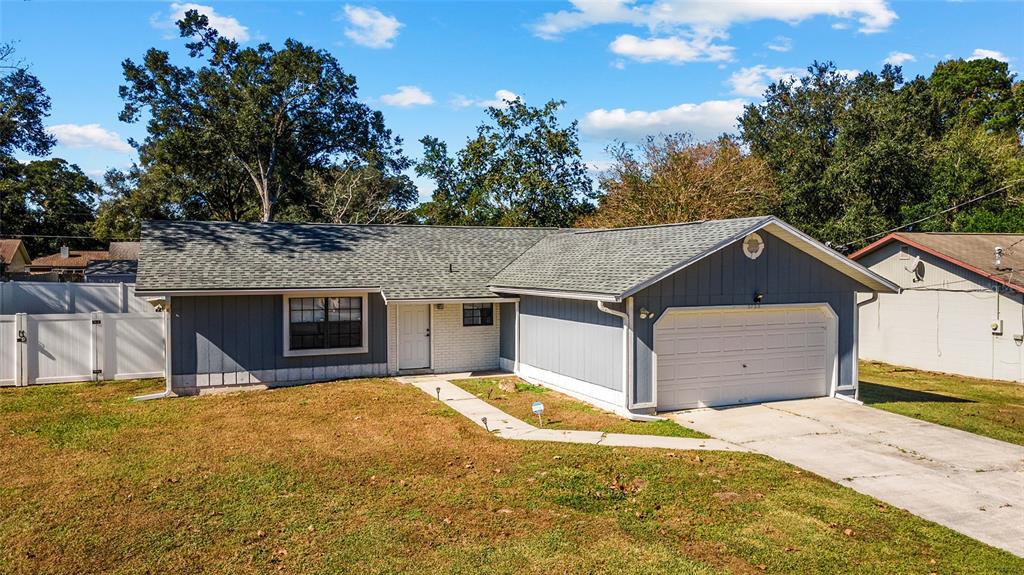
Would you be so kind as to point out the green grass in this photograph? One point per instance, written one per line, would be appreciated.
(986, 407)
(516, 397)
(372, 476)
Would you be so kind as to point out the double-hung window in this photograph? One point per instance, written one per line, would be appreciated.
(325, 324)
(477, 314)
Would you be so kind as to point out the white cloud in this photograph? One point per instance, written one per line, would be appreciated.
(88, 136)
(872, 15)
(780, 44)
(704, 120)
(227, 26)
(753, 81)
(980, 53)
(407, 96)
(370, 27)
(898, 58)
(673, 49)
(500, 100)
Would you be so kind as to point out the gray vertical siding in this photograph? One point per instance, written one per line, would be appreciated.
(507, 348)
(572, 338)
(221, 334)
(783, 274)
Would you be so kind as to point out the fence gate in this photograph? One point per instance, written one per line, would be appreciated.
(59, 348)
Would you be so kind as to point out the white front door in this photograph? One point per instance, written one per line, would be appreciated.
(715, 357)
(413, 336)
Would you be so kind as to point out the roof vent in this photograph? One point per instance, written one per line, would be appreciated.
(999, 257)
(65, 252)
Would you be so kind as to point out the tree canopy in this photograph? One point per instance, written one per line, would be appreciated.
(674, 179)
(855, 156)
(523, 168)
(238, 137)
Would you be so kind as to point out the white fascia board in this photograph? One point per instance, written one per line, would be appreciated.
(454, 300)
(840, 262)
(796, 238)
(258, 291)
(610, 298)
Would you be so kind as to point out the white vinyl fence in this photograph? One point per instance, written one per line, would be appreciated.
(69, 297)
(56, 348)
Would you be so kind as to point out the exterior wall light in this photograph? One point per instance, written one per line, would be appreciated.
(645, 314)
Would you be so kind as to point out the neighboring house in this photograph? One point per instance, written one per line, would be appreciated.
(13, 257)
(633, 320)
(111, 271)
(961, 309)
(66, 265)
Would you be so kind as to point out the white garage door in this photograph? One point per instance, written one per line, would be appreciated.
(714, 357)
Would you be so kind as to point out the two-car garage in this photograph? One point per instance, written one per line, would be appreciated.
(715, 356)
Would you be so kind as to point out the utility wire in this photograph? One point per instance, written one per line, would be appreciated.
(926, 218)
(22, 235)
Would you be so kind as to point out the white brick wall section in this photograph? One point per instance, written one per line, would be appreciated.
(464, 348)
(392, 339)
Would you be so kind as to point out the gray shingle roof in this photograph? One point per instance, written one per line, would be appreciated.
(405, 262)
(412, 262)
(111, 267)
(613, 261)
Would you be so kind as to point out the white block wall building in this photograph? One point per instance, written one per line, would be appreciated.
(956, 312)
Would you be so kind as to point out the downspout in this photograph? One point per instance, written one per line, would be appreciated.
(627, 371)
(856, 344)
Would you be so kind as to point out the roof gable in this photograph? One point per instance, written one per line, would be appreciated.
(973, 252)
(12, 247)
(616, 263)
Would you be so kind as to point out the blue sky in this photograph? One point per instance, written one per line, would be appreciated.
(624, 68)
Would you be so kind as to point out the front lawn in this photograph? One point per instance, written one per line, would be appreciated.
(986, 407)
(516, 397)
(373, 476)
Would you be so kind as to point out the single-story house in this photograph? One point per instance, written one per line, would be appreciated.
(67, 264)
(633, 320)
(14, 257)
(961, 309)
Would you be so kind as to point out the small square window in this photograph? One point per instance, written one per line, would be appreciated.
(477, 314)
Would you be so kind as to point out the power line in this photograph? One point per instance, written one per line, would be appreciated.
(23, 235)
(926, 218)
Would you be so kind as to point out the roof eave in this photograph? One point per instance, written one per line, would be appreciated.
(897, 237)
(829, 257)
(561, 294)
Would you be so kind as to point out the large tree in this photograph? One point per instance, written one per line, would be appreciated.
(523, 168)
(125, 204)
(237, 137)
(50, 198)
(854, 157)
(674, 179)
(23, 106)
(978, 93)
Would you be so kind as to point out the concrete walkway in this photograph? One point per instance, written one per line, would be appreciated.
(969, 483)
(504, 425)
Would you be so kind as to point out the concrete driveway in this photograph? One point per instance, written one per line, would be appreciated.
(969, 483)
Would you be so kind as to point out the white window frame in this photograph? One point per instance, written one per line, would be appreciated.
(286, 328)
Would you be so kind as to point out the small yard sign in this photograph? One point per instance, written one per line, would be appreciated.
(538, 410)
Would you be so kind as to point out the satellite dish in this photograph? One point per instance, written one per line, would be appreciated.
(912, 268)
(753, 245)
